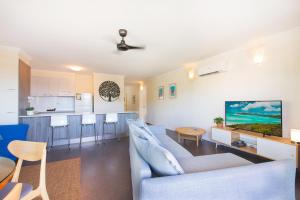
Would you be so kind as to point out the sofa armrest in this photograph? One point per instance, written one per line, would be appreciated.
(271, 180)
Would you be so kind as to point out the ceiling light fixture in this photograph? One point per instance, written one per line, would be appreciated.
(258, 58)
(75, 68)
(191, 74)
(259, 55)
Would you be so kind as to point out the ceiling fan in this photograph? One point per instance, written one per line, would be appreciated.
(122, 46)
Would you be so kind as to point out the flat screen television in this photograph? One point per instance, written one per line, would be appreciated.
(258, 116)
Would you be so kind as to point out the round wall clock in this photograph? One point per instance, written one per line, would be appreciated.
(109, 91)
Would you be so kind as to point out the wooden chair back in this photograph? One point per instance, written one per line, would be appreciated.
(25, 150)
(30, 151)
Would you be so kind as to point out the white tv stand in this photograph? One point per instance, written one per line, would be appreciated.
(271, 147)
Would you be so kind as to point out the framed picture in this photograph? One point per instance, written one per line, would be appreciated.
(172, 90)
(161, 93)
(133, 99)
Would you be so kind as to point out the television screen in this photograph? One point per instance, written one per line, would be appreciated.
(257, 116)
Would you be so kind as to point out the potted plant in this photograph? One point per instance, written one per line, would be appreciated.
(30, 110)
(219, 121)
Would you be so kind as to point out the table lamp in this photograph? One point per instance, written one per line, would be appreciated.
(295, 135)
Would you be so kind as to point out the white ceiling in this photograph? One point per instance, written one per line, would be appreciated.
(56, 33)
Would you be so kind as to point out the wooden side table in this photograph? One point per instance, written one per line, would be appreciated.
(190, 133)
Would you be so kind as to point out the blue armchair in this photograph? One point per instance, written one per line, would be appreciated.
(9, 133)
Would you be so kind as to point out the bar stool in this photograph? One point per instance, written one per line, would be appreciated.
(88, 119)
(110, 118)
(58, 121)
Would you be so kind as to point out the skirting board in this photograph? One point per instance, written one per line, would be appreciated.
(60, 142)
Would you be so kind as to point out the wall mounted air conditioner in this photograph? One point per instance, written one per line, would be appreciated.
(211, 69)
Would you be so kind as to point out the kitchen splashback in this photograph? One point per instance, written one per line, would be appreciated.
(41, 104)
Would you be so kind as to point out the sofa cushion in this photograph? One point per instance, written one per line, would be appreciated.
(160, 159)
(212, 162)
(177, 150)
(141, 124)
(138, 122)
(141, 133)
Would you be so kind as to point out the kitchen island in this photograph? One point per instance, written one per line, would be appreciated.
(40, 131)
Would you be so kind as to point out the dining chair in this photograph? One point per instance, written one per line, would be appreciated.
(15, 193)
(29, 151)
(110, 118)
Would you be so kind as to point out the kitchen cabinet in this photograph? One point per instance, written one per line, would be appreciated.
(9, 90)
(9, 108)
(39, 127)
(66, 87)
(9, 63)
(52, 86)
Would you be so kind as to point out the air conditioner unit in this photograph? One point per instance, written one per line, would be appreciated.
(211, 69)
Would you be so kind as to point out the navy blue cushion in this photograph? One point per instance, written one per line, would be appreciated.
(9, 133)
(26, 188)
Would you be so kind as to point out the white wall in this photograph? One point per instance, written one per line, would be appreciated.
(132, 91)
(101, 106)
(202, 99)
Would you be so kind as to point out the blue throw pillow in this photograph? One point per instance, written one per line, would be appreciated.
(141, 133)
(160, 159)
(141, 124)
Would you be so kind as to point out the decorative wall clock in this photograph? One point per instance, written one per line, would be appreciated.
(109, 91)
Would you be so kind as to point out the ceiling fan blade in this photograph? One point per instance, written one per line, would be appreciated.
(135, 47)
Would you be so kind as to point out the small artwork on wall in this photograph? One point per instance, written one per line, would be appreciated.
(172, 90)
(133, 99)
(161, 92)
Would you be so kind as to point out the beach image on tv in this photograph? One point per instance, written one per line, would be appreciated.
(258, 116)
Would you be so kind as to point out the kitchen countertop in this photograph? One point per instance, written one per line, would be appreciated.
(66, 113)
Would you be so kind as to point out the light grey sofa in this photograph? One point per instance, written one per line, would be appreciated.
(218, 176)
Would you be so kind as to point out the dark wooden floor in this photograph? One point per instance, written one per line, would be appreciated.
(105, 169)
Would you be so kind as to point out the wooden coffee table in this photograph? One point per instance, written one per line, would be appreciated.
(190, 133)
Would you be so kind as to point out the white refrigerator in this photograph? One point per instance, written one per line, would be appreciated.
(84, 102)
